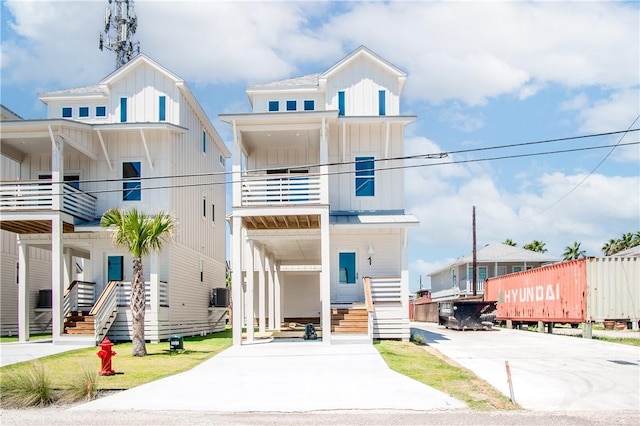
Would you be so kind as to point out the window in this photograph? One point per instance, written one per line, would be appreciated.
(131, 188)
(454, 278)
(223, 162)
(204, 142)
(482, 274)
(516, 269)
(201, 270)
(213, 212)
(72, 180)
(204, 207)
(381, 103)
(292, 105)
(83, 112)
(347, 267)
(115, 270)
(341, 102)
(309, 105)
(274, 106)
(67, 112)
(365, 185)
(162, 102)
(123, 110)
(101, 111)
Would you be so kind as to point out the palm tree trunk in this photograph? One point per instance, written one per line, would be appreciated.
(138, 310)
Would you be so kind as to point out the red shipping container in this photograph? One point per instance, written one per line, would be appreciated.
(554, 293)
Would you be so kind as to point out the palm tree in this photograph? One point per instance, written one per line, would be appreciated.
(509, 242)
(612, 247)
(573, 252)
(626, 241)
(139, 234)
(535, 245)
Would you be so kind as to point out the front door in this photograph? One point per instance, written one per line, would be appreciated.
(348, 282)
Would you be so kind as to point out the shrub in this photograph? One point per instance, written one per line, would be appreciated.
(83, 385)
(418, 339)
(27, 387)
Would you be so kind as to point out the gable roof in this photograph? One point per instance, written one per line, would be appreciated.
(364, 51)
(503, 253)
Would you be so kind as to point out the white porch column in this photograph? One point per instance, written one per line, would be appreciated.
(270, 310)
(277, 296)
(57, 278)
(154, 281)
(237, 312)
(262, 322)
(325, 278)
(23, 292)
(404, 278)
(250, 265)
(68, 269)
(324, 168)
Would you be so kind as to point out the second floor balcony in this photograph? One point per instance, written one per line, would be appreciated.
(281, 189)
(37, 196)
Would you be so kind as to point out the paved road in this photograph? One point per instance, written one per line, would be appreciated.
(549, 372)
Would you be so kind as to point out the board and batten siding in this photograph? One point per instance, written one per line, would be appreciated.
(361, 81)
(362, 140)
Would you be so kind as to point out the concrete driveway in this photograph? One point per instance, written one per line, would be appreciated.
(549, 372)
(295, 376)
(11, 353)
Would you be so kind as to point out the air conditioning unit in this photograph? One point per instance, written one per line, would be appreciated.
(219, 297)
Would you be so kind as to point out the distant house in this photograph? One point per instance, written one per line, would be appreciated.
(455, 280)
(138, 138)
(633, 251)
(318, 203)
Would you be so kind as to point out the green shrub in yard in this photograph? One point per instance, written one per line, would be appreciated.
(418, 339)
(83, 385)
(27, 387)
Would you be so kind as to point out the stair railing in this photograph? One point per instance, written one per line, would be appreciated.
(368, 299)
(105, 309)
(80, 294)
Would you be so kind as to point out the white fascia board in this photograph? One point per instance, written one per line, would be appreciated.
(279, 211)
(404, 119)
(139, 126)
(274, 117)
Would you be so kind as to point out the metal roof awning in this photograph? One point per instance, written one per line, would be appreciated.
(374, 220)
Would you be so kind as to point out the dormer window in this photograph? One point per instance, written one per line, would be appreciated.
(291, 105)
(274, 106)
(83, 112)
(67, 112)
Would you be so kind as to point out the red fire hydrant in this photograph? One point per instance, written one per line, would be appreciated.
(105, 353)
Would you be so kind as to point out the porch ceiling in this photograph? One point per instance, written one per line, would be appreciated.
(282, 222)
(259, 139)
(33, 226)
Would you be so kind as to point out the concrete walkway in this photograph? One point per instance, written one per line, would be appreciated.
(12, 353)
(283, 377)
(549, 372)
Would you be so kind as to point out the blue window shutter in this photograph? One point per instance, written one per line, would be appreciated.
(291, 106)
(365, 177)
(204, 142)
(274, 106)
(309, 105)
(341, 102)
(67, 112)
(83, 112)
(123, 110)
(381, 103)
(162, 108)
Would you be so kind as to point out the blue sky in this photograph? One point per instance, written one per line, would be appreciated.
(480, 74)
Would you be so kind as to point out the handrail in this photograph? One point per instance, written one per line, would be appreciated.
(367, 294)
(106, 305)
(77, 295)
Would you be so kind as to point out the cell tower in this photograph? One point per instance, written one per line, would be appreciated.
(120, 24)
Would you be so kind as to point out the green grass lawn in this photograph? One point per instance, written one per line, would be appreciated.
(36, 336)
(130, 371)
(428, 366)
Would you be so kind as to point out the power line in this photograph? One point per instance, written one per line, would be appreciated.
(504, 157)
(440, 155)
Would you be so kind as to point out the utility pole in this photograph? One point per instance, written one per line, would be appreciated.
(120, 24)
(475, 260)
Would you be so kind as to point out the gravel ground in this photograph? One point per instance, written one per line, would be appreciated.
(62, 416)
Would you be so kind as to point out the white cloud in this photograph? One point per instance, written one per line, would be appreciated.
(460, 120)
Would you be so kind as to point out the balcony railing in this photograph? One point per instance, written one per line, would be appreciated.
(467, 287)
(37, 195)
(260, 190)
